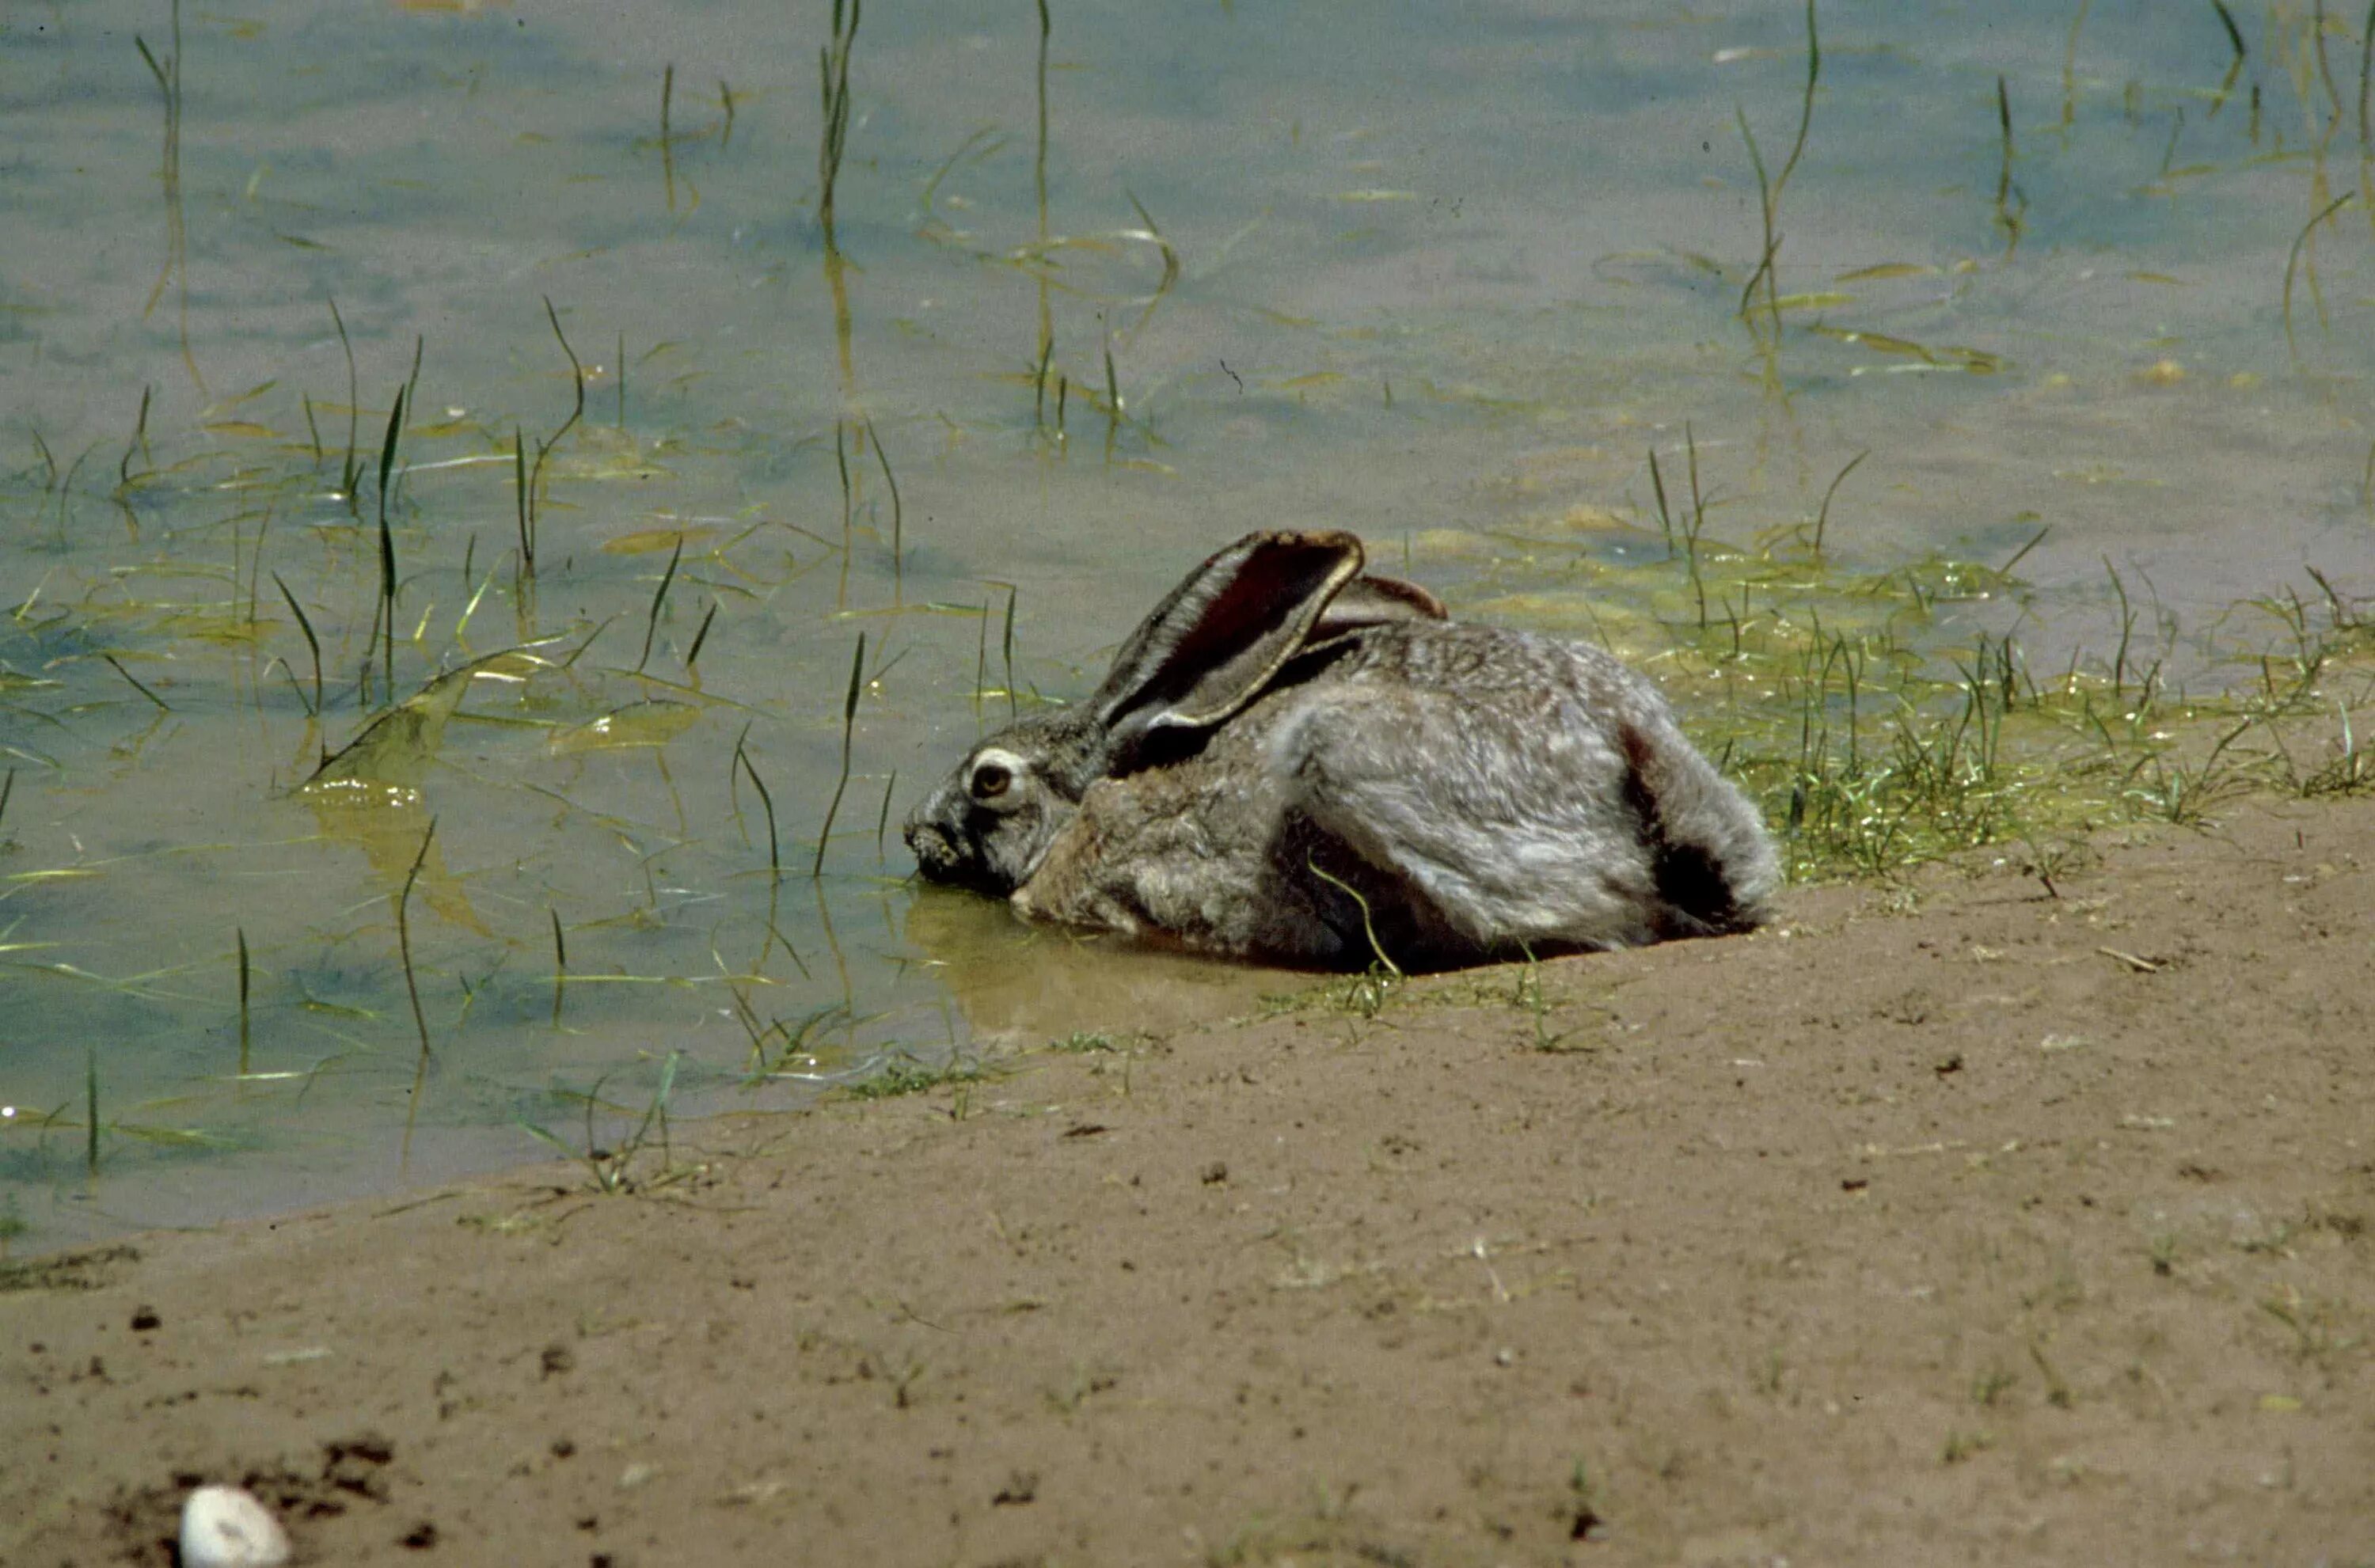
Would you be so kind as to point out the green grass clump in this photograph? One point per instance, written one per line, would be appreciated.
(904, 1076)
(1362, 995)
(611, 1166)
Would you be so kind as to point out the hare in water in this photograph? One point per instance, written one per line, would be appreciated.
(1294, 761)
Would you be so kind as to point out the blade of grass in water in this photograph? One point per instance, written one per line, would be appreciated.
(1113, 397)
(2070, 68)
(521, 503)
(898, 534)
(387, 619)
(1665, 512)
(1823, 518)
(848, 507)
(2007, 216)
(667, 146)
(2226, 20)
(412, 986)
(544, 448)
(766, 800)
(560, 963)
(135, 681)
(350, 471)
(1770, 194)
(693, 654)
(2293, 261)
(832, 71)
(139, 442)
(2366, 71)
(312, 642)
(652, 619)
(1039, 189)
(848, 724)
(412, 384)
(243, 1002)
(1006, 642)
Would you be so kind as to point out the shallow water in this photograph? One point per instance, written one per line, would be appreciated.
(1447, 281)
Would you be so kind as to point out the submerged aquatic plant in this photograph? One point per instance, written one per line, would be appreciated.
(1768, 191)
(833, 141)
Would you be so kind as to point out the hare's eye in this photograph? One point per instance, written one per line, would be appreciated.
(991, 780)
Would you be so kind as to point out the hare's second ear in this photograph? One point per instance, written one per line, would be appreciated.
(1373, 601)
(1216, 640)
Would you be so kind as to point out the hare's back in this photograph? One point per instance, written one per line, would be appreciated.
(1517, 674)
(1487, 724)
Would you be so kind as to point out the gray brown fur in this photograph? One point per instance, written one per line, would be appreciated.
(1486, 793)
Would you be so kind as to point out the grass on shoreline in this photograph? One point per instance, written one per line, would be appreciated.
(1881, 726)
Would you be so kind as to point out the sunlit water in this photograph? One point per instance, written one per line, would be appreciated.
(1445, 275)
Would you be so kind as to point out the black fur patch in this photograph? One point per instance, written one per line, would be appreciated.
(1691, 882)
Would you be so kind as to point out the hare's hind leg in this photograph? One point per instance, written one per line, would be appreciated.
(1508, 834)
(1183, 853)
(1712, 859)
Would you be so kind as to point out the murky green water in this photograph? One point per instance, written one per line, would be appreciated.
(1446, 277)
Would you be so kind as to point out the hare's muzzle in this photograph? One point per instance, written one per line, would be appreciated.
(938, 854)
(954, 857)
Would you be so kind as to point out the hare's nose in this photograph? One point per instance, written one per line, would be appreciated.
(934, 852)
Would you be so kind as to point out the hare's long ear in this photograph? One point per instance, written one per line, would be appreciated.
(1374, 601)
(1216, 640)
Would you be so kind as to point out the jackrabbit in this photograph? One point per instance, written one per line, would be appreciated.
(1294, 761)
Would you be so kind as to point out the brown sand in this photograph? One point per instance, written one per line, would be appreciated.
(1980, 1226)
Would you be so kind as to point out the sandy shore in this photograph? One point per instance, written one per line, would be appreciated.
(1978, 1224)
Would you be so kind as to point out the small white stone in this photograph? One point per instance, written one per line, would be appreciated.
(223, 1526)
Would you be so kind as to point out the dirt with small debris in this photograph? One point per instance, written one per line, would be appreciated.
(1972, 1223)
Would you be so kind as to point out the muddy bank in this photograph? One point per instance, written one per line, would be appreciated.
(1982, 1223)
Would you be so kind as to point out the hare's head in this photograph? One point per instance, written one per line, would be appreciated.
(989, 822)
(1211, 647)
